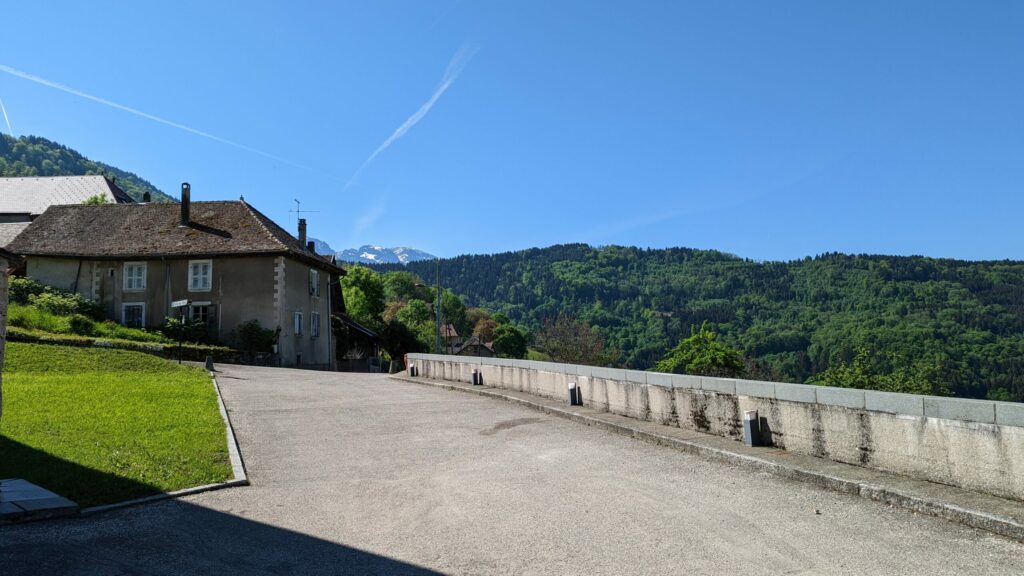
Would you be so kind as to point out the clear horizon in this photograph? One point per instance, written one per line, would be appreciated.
(772, 132)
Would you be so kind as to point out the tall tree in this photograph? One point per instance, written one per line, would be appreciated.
(703, 354)
(509, 342)
(364, 296)
(484, 329)
(868, 371)
(402, 286)
(566, 339)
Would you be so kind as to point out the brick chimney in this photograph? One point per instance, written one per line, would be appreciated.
(302, 231)
(186, 204)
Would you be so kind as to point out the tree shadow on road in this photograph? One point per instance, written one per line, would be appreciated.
(166, 537)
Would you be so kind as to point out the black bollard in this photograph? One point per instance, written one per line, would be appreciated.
(575, 395)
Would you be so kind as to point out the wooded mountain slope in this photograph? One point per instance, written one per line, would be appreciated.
(36, 156)
(960, 322)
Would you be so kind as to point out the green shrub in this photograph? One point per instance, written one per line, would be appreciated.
(81, 325)
(65, 304)
(251, 337)
(111, 329)
(20, 289)
(187, 330)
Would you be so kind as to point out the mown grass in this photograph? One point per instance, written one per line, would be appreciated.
(100, 426)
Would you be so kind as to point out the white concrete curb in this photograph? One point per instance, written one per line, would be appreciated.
(237, 465)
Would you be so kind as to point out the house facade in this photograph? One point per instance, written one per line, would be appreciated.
(223, 263)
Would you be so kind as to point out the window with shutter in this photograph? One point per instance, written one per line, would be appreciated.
(134, 274)
(200, 275)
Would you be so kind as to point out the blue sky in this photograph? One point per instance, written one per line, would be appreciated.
(772, 130)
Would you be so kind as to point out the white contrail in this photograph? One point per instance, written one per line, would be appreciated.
(6, 119)
(122, 107)
(458, 62)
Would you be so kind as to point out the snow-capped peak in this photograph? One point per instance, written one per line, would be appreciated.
(381, 255)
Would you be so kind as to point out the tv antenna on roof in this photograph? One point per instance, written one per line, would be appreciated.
(299, 211)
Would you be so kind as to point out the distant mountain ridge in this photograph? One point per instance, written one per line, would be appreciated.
(380, 255)
(37, 156)
(321, 247)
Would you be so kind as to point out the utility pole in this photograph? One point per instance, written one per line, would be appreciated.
(437, 309)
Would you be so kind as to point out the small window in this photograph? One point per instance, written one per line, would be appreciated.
(133, 315)
(314, 324)
(298, 323)
(200, 313)
(134, 276)
(200, 275)
(314, 282)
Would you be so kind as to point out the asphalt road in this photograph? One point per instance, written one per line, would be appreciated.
(355, 474)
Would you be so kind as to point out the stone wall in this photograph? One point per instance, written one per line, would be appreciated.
(973, 444)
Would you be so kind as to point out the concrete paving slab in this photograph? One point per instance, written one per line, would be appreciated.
(1010, 414)
(54, 504)
(720, 385)
(844, 397)
(9, 512)
(23, 500)
(983, 411)
(755, 388)
(796, 393)
(894, 403)
(686, 381)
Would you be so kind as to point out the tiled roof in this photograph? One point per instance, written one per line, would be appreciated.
(33, 195)
(127, 231)
(473, 341)
(8, 230)
(347, 320)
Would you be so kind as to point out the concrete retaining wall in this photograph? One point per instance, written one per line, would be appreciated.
(973, 444)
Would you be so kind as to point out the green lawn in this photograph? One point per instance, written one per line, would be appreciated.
(100, 426)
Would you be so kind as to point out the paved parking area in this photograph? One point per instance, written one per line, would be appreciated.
(356, 474)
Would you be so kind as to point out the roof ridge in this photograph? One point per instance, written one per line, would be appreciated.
(260, 218)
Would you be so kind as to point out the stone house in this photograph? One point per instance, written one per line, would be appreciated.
(474, 346)
(230, 262)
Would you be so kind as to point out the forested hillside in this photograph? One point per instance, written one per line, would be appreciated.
(957, 322)
(35, 156)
